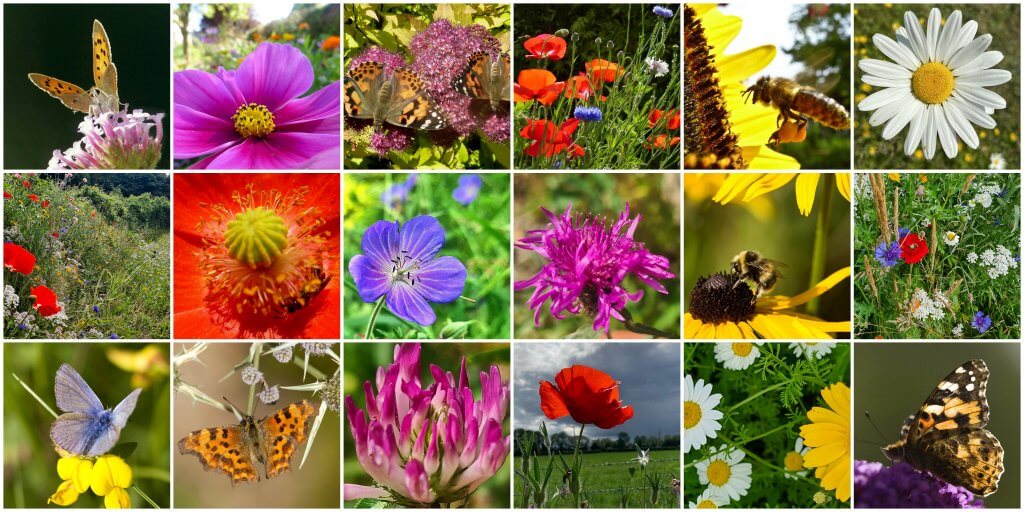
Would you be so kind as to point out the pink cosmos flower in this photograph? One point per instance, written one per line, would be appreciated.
(253, 117)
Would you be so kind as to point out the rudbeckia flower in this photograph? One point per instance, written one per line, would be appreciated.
(590, 396)
(18, 259)
(828, 435)
(545, 46)
(253, 117)
(256, 256)
(754, 185)
(46, 301)
(537, 84)
(603, 70)
(551, 139)
(721, 310)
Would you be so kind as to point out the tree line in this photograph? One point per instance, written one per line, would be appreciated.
(564, 442)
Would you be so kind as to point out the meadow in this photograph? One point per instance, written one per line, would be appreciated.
(100, 258)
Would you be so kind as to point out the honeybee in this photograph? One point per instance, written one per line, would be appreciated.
(316, 281)
(797, 103)
(750, 266)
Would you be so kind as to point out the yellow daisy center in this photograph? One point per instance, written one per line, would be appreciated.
(742, 349)
(253, 120)
(691, 414)
(706, 504)
(932, 83)
(719, 473)
(794, 461)
(256, 237)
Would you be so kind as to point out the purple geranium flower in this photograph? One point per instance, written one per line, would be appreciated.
(888, 254)
(400, 263)
(468, 189)
(253, 117)
(399, 192)
(902, 486)
(587, 263)
(981, 322)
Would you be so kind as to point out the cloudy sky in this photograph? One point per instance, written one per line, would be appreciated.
(649, 373)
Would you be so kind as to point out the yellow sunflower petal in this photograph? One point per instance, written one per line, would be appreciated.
(766, 184)
(740, 66)
(720, 29)
(761, 158)
(706, 332)
(735, 184)
(728, 331)
(806, 187)
(843, 184)
(748, 333)
(690, 326)
(778, 302)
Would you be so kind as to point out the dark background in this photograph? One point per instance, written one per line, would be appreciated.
(54, 39)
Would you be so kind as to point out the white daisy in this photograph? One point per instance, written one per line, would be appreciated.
(737, 356)
(656, 67)
(813, 349)
(700, 418)
(996, 162)
(936, 83)
(951, 238)
(725, 473)
(709, 499)
(794, 461)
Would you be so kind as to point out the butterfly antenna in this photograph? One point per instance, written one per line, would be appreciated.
(879, 431)
(237, 410)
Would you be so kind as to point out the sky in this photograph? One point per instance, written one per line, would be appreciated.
(648, 373)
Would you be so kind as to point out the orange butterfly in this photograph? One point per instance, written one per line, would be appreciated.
(103, 95)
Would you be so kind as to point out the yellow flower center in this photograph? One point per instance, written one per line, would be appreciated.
(707, 504)
(794, 461)
(691, 414)
(820, 498)
(932, 83)
(256, 237)
(719, 472)
(253, 120)
(742, 349)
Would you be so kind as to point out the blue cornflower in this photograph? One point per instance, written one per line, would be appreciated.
(22, 326)
(888, 254)
(663, 12)
(397, 194)
(468, 189)
(589, 114)
(981, 322)
(96, 309)
(902, 232)
(114, 336)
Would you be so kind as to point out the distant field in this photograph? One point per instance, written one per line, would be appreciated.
(605, 474)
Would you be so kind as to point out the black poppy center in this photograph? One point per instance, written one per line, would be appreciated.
(721, 298)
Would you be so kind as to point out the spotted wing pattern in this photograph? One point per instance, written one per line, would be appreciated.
(222, 449)
(283, 432)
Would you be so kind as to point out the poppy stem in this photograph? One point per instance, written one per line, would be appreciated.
(373, 319)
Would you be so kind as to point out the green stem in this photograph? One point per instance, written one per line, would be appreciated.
(252, 389)
(148, 500)
(34, 395)
(373, 319)
(820, 239)
(754, 397)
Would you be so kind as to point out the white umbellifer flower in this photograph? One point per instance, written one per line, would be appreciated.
(656, 67)
(958, 331)
(700, 418)
(724, 472)
(951, 238)
(997, 263)
(794, 461)
(972, 257)
(709, 499)
(996, 162)
(813, 349)
(923, 307)
(936, 83)
(737, 356)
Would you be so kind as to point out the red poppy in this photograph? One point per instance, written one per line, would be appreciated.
(545, 46)
(537, 84)
(46, 301)
(672, 117)
(661, 141)
(579, 87)
(912, 248)
(204, 307)
(34, 198)
(18, 259)
(7, 195)
(26, 184)
(46, 204)
(604, 70)
(55, 234)
(590, 396)
(550, 138)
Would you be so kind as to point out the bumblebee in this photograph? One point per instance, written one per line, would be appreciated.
(315, 282)
(751, 267)
(797, 103)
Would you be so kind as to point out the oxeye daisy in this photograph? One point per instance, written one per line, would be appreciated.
(828, 435)
(709, 499)
(725, 472)
(813, 350)
(699, 415)
(794, 460)
(737, 356)
(936, 83)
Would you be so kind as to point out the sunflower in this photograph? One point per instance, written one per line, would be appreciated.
(714, 87)
(721, 310)
(753, 185)
(828, 435)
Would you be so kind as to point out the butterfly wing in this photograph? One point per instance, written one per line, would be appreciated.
(505, 78)
(361, 85)
(221, 449)
(957, 403)
(73, 394)
(972, 459)
(103, 70)
(283, 432)
(410, 105)
(125, 408)
(475, 78)
(71, 95)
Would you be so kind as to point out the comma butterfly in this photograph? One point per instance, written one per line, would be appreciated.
(103, 95)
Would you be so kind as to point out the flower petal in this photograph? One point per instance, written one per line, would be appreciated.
(274, 74)
(321, 105)
(960, 124)
(404, 302)
(885, 97)
(370, 281)
(899, 53)
(985, 78)
(984, 61)
(199, 133)
(441, 279)
(970, 52)
(421, 238)
(204, 92)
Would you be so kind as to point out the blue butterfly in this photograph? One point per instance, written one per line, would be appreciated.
(86, 428)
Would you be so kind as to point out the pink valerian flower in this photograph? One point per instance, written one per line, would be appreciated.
(114, 140)
(587, 264)
(428, 445)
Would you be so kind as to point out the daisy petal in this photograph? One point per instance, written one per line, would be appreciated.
(960, 124)
(878, 81)
(985, 78)
(885, 97)
(885, 113)
(884, 69)
(931, 132)
(981, 96)
(899, 53)
(946, 137)
(915, 133)
(966, 35)
(973, 112)
(949, 33)
(983, 61)
(932, 35)
(905, 114)
(969, 52)
(916, 35)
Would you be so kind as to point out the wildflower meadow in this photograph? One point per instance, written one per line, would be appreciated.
(448, 69)
(86, 256)
(597, 86)
(767, 425)
(937, 255)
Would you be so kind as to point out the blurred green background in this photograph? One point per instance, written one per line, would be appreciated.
(55, 40)
(773, 226)
(361, 363)
(314, 485)
(476, 234)
(1000, 20)
(892, 380)
(30, 462)
(654, 196)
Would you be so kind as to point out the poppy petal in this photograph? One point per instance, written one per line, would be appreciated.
(551, 401)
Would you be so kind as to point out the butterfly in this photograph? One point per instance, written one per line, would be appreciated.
(103, 96)
(86, 428)
(233, 450)
(485, 78)
(400, 99)
(947, 437)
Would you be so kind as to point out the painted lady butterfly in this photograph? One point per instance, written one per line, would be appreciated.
(400, 99)
(947, 437)
(486, 79)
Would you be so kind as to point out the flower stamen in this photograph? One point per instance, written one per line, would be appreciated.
(253, 120)
(932, 83)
